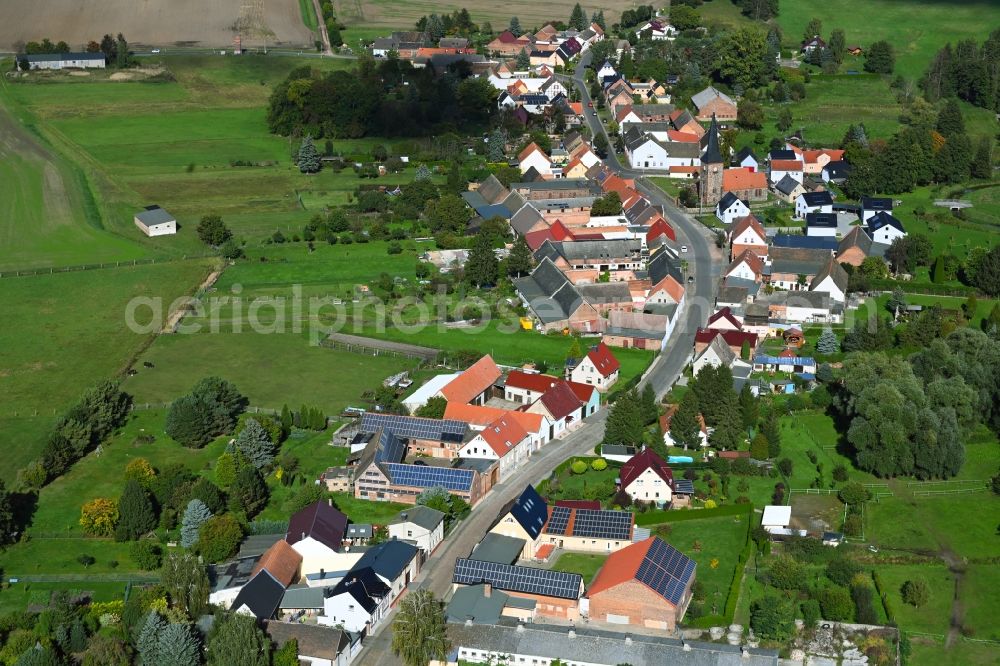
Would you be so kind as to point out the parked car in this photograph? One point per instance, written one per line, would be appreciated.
(684, 249)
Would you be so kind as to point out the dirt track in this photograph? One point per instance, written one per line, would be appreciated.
(206, 23)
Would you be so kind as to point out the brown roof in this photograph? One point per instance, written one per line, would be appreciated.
(281, 561)
(786, 165)
(477, 378)
(530, 148)
(503, 435)
(755, 263)
(316, 641)
(748, 222)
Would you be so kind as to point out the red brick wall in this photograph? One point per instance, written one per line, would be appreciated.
(636, 601)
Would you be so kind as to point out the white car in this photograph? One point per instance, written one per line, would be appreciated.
(155, 51)
(684, 249)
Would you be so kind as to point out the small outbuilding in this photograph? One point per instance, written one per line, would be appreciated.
(155, 221)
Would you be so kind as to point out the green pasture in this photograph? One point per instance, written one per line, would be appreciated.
(19, 596)
(585, 564)
(933, 617)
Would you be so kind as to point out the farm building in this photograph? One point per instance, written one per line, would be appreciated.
(62, 61)
(154, 221)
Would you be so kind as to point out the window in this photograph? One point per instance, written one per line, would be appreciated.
(409, 533)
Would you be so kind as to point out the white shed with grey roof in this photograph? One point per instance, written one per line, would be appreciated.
(154, 221)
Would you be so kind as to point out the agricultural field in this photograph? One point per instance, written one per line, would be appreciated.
(184, 24)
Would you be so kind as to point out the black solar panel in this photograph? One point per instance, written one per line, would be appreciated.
(390, 449)
(666, 570)
(558, 521)
(530, 511)
(683, 486)
(603, 524)
(513, 578)
(423, 476)
(411, 427)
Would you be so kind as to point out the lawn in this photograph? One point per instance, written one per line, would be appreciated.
(271, 370)
(933, 617)
(924, 525)
(585, 564)
(933, 653)
(21, 595)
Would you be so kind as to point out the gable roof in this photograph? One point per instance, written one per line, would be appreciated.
(421, 515)
(709, 94)
(531, 381)
(823, 198)
(525, 218)
(602, 358)
(821, 220)
(720, 348)
(588, 523)
(528, 150)
(833, 270)
(876, 203)
(884, 219)
(530, 511)
(856, 237)
(749, 222)
(660, 228)
(314, 640)
(805, 261)
(503, 435)
(472, 414)
(388, 559)
(152, 214)
(663, 264)
(786, 165)
(808, 242)
(640, 462)
(477, 378)
(281, 561)
(512, 578)
(364, 586)
(549, 293)
(652, 562)
(728, 200)
(731, 338)
(492, 190)
(560, 401)
(261, 595)
(750, 258)
(786, 185)
(744, 153)
(727, 314)
(740, 179)
(321, 521)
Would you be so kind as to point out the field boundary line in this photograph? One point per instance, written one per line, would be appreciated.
(128, 263)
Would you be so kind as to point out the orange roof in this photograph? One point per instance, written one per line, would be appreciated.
(577, 108)
(281, 561)
(472, 414)
(660, 227)
(530, 421)
(751, 259)
(503, 435)
(575, 162)
(682, 137)
(812, 156)
(620, 567)
(674, 288)
(477, 378)
(741, 179)
(684, 169)
(786, 165)
(623, 111)
(528, 150)
(544, 551)
(666, 418)
(531, 381)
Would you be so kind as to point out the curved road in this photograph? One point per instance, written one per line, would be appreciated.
(704, 266)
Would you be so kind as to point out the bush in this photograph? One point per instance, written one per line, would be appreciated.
(599, 465)
(578, 467)
(836, 604)
(915, 592)
(842, 570)
(840, 473)
(147, 554)
(785, 573)
(710, 504)
(785, 467)
(810, 612)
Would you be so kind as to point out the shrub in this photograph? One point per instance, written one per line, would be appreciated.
(578, 467)
(836, 604)
(147, 554)
(785, 573)
(710, 504)
(840, 473)
(139, 470)
(785, 467)
(599, 465)
(810, 612)
(915, 592)
(853, 525)
(98, 517)
(841, 571)
(219, 537)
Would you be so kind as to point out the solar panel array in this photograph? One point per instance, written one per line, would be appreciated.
(390, 449)
(530, 511)
(603, 524)
(590, 523)
(513, 578)
(559, 520)
(424, 476)
(411, 427)
(683, 486)
(666, 570)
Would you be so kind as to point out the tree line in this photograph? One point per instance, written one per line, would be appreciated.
(968, 71)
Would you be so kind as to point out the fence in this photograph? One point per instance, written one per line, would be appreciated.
(29, 272)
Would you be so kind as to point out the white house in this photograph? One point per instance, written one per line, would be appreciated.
(357, 603)
(62, 61)
(731, 208)
(647, 477)
(747, 266)
(715, 354)
(598, 368)
(645, 151)
(504, 440)
(832, 279)
(607, 69)
(871, 206)
(813, 202)
(884, 228)
(560, 407)
(746, 159)
(154, 221)
(822, 224)
(657, 30)
(776, 518)
(420, 525)
(431, 388)
(533, 156)
(316, 532)
(782, 168)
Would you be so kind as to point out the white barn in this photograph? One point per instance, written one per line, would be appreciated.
(154, 221)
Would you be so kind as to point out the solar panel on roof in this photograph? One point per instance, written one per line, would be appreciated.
(558, 521)
(513, 578)
(683, 486)
(390, 448)
(603, 524)
(666, 570)
(422, 476)
(410, 427)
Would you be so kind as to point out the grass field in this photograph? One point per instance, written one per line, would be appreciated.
(20, 595)
(585, 564)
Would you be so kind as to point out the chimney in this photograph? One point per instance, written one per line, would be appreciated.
(468, 621)
(487, 590)
(303, 535)
(572, 632)
(628, 639)
(322, 574)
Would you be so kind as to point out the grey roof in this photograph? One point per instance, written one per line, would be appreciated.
(154, 215)
(743, 154)
(662, 264)
(712, 154)
(837, 170)
(256, 545)
(453, 42)
(470, 604)
(529, 510)
(702, 98)
(498, 548)
(856, 237)
(823, 198)
(721, 349)
(804, 261)
(727, 200)
(800, 241)
(605, 292)
(834, 270)
(423, 516)
(492, 190)
(617, 450)
(730, 294)
(787, 184)
(261, 595)
(782, 154)
(821, 220)
(359, 531)
(634, 333)
(876, 203)
(643, 110)
(884, 219)
(364, 586)
(314, 640)
(525, 218)
(592, 250)
(594, 646)
(55, 57)
(388, 559)
(815, 299)
(549, 293)
(302, 596)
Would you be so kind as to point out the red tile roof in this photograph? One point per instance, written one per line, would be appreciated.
(735, 180)
(658, 228)
(477, 378)
(752, 260)
(560, 401)
(472, 414)
(620, 567)
(528, 150)
(593, 505)
(602, 358)
(582, 391)
(503, 435)
(281, 561)
(682, 137)
(528, 381)
(748, 222)
(727, 314)
(640, 462)
(786, 165)
(506, 37)
(732, 338)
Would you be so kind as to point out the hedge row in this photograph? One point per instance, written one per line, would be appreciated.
(890, 615)
(673, 516)
(726, 618)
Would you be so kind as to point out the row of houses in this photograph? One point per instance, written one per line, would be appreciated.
(563, 45)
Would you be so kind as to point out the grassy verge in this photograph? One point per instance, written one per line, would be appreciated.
(308, 12)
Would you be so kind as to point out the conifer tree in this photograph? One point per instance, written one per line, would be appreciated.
(195, 516)
(828, 342)
(178, 646)
(598, 18)
(147, 644)
(308, 161)
(685, 428)
(578, 18)
(515, 26)
(523, 60)
(647, 403)
(624, 424)
(482, 268)
(249, 492)
(520, 261)
(136, 516)
(255, 444)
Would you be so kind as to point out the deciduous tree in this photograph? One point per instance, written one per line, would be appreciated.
(238, 641)
(418, 632)
(99, 516)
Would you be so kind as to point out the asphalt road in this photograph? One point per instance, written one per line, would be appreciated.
(704, 265)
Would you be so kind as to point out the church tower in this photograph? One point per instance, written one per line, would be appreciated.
(710, 185)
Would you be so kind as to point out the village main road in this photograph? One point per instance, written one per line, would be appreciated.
(703, 261)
